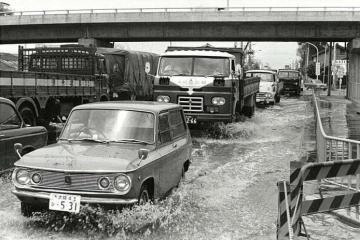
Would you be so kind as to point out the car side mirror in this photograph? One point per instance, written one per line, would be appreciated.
(18, 149)
(142, 154)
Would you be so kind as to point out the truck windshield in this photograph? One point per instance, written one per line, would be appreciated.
(109, 125)
(288, 74)
(194, 66)
(264, 77)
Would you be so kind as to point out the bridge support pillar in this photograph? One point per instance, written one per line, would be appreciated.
(93, 42)
(353, 82)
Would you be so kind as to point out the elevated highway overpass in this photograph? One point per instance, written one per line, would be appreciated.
(185, 24)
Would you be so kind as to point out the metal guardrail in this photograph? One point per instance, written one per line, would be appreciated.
(331, 148)
(334, 149)
(184, 9)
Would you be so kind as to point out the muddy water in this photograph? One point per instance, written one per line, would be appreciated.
(231, 183)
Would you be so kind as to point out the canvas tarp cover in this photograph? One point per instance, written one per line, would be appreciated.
(126, 71)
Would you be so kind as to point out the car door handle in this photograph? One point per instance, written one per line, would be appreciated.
(2, 135)
(174, 145)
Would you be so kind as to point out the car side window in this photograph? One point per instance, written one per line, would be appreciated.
(9, 119)
(177, 124)
(164, 129)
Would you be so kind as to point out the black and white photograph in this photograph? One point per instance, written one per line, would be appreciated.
(180, 120)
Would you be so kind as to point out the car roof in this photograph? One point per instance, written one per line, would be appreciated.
(6, 101)
(260, 71)
(147, 106)
(200, 53)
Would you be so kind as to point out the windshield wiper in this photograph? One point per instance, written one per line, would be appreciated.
(131, 141)
(85, 140)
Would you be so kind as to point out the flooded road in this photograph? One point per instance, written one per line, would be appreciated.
(229, 192)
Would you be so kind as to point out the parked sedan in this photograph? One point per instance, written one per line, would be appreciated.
(116, 153)
(13, 130)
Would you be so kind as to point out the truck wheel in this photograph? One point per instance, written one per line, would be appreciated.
(28, 116)
(277, 98)
(27, 209)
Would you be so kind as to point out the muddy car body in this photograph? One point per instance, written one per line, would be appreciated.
(13, 130)
(116, 153)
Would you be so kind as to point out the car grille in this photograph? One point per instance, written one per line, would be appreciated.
(260, 95)
(79, 181)
(191, 104)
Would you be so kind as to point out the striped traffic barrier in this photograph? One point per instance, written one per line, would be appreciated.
(299, 207)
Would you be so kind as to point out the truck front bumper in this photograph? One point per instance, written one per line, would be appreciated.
(210, 117)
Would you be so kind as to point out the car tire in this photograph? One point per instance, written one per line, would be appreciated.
(27, 209)
(144, 195)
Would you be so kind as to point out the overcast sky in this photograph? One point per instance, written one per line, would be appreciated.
(276, 54)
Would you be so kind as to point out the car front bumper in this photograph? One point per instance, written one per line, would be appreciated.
(43, 197)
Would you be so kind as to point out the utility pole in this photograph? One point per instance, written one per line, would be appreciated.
(329, 74)
(323, 80)
(334, 62)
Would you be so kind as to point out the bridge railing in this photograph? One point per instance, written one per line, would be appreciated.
(184, 9)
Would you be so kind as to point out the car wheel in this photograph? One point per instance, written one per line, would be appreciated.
(27, 209)
(144, 195)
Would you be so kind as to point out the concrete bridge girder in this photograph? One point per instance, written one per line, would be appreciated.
(183, 26)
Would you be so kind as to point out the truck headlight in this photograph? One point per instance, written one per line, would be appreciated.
(22, 176)
(122, 183)
(268, 95)
(218, 100)
(163, 99)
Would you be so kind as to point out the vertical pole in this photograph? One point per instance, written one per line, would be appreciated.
(307, 61)
(329, 75)
(335, 75)
(324, 72)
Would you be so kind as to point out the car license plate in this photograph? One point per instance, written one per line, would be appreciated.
(191, 120)
(64, 202)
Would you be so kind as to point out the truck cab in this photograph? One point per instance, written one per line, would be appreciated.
(269, 88)
(291, 80)
(204, 83)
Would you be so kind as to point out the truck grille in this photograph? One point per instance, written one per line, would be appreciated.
(191, 104)
(79, 181)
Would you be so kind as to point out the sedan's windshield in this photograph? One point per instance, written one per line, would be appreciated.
(264, 77)
(104, 125)
(194, 66)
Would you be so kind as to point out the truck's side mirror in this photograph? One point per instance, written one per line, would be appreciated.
(238, 70)
(147, 69)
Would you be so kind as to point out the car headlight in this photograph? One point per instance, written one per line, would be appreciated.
(122, 183)
(22, 176)
(36, 178)
(218, 100)
(163, 99)
(104, 182)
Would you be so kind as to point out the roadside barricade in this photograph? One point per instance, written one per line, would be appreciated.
(292, 205)
(336, 175)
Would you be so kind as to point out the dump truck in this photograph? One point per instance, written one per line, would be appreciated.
(207, 82)
(50, 81)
